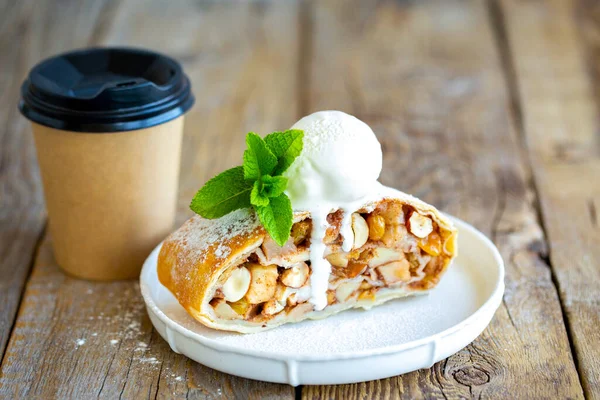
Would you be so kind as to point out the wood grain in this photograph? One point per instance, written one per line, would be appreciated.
(427, 77)
(25, 35)
(560, 124)
(21, 205)
(78, 339)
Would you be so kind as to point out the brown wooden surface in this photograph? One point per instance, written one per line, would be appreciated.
(560, 125)
(485, 109)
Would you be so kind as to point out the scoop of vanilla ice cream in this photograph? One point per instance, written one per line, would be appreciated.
(340, 161)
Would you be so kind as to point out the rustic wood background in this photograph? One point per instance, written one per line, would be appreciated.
(487, 109)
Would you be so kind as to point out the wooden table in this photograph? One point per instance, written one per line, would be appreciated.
(486, 109)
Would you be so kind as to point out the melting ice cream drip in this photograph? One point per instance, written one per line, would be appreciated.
(337, 169)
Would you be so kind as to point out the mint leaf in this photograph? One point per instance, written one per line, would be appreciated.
(257, 196)
(258, 159)
(277, 218)
(286, 146)
(273, 186)
(223, 194)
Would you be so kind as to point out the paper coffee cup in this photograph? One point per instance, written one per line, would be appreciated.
(108, 127)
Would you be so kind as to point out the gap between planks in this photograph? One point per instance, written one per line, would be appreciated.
(34, 255)
(498, 24)
(98, 31)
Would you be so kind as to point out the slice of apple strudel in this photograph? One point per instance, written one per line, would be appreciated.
(230, 275)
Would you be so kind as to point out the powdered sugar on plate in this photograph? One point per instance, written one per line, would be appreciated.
(397, 337)
(393, 323)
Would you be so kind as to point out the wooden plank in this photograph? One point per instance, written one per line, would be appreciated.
(21, 205)
(77, 339)
(24, 41)
(427, 77)
(560, 124)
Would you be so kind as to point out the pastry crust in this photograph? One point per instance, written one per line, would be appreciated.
(193, 258)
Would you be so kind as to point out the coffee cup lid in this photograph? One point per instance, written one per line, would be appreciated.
(105, 90)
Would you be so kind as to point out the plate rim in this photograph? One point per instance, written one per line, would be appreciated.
(493, 301)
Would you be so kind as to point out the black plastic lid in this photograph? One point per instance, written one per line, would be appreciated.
(105, 90)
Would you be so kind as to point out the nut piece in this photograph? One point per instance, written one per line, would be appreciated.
(223, 310)
(354, 269)
(282, 293)
(272, 307)
(236, 286)
(383, 255)
(300, 231)
(346, 289)
(419, 225)
(393, 214)
(296, 276)
(263, 283)
(394, 272)
(361, 230)
(292, 299)
(338, 259)
(394, 234)
(376, 226)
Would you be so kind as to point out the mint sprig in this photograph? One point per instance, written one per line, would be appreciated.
(258, 183)
(223, 194)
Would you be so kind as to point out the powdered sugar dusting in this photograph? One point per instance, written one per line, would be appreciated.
(327, 127)
(390, 324)
(198, 234)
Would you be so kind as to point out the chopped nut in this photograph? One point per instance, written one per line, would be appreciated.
(419, 225)
(236, 286)
(292, 300)
(376, 226)
(393, 214)
(296, 275)
(383, 255)
(346, 289)
(223, 310)
(394, 272)
(361, 230)
(300, 231)
(393, 235)
(338, 260)
(282, 292)
(272, 307)
(354, 269)
(262, 284)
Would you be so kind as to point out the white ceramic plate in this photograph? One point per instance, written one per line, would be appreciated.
(397, 337)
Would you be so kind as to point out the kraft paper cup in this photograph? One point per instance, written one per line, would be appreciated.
(108, 139)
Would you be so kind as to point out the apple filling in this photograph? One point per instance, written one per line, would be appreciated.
(394, 247)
